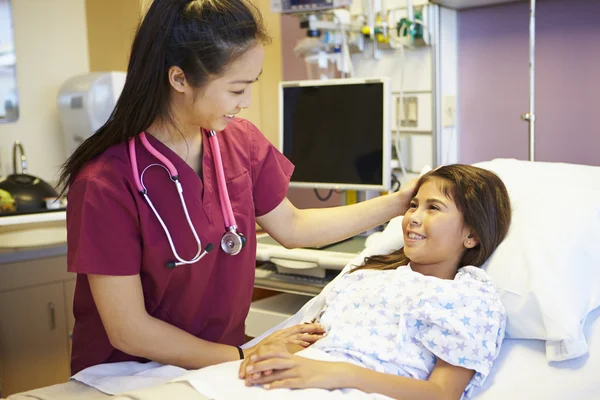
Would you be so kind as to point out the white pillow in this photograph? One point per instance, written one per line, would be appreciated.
(547, 270)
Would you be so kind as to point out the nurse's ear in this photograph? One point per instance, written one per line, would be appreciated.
(178, 80)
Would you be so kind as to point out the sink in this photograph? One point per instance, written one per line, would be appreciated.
(33, 235)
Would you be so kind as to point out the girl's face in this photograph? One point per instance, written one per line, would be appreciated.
(226, 95)
(435, 236)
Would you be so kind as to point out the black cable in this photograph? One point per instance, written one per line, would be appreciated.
(323, 198)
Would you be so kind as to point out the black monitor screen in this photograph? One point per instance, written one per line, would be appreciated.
(335, 133)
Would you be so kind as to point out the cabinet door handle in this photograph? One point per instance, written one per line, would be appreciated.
(52, 317)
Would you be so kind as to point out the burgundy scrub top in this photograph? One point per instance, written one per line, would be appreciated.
(113, 231)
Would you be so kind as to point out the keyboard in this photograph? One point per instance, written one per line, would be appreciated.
(269, 271)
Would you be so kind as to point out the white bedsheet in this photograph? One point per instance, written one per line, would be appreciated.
(522, 371)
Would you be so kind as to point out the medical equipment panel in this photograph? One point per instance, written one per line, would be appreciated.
(337, 133)
(294, 6)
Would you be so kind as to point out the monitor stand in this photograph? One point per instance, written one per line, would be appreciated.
(353, 245)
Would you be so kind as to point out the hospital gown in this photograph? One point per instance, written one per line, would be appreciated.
(400, 322)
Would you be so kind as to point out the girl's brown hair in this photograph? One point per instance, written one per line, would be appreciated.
(481, 197)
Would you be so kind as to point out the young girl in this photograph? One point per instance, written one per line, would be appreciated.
(421, 323)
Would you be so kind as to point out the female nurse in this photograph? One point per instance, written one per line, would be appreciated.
(163, 199)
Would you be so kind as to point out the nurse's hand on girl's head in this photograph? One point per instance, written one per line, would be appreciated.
(405, 195)
(294, 339)
(408, 191)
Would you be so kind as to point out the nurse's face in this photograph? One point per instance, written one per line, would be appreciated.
(225, 96)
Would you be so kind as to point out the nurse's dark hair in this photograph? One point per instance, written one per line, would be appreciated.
(202, 37)
(482, 199)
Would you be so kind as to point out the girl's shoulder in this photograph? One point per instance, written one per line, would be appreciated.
(471, 273)
(479, 285)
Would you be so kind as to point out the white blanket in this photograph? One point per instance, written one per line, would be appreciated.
(220, 382)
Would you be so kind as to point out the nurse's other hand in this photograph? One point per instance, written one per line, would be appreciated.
(302, 334)
(294, 338)
(274, 349)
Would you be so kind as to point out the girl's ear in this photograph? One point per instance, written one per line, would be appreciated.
(471, 240)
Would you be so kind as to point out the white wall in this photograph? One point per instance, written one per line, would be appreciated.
(7, 80)
(51, 46)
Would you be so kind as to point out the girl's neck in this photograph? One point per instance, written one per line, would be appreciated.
(443, 270)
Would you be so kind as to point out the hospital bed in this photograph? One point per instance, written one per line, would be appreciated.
(570, 287)
(521, 372)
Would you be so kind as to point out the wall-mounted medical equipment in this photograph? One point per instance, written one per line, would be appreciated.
(296, 6)
(85, 103)
(337, 132)
(387, 28)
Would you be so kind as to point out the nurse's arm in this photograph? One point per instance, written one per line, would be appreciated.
(120, 302)
(293, 227)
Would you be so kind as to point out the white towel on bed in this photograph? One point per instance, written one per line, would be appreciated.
(117, 378)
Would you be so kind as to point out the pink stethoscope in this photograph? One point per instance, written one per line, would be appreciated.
(232, 241)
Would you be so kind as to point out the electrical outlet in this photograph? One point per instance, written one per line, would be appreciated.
(448, 111)
(410, 111)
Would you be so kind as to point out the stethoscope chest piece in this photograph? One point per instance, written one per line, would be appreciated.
(233, 242)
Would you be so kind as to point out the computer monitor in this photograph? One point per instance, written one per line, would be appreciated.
(337, 133)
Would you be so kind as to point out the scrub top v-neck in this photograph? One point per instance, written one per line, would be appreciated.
(113, 231)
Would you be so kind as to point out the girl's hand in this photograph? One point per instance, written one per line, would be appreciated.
(273, 367)
(293, 339)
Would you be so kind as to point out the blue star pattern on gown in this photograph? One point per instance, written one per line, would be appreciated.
(400, 322)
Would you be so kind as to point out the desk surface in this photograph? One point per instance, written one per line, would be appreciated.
(268, 278)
